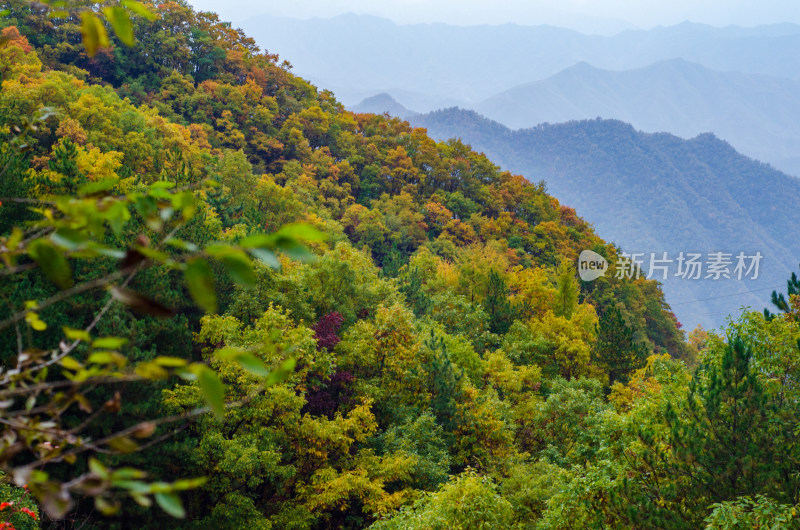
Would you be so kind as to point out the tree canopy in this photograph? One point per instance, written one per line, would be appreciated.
(270, 312)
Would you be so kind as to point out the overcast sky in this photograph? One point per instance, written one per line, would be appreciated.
(604, 15)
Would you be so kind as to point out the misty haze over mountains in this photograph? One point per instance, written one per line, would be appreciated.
(739, 83)
(471, 63)
(646, 192)
(655, 193)
(757, 114)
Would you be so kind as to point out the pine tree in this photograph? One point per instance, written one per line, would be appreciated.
(567, 287)
(444, 383)
(413, 289)
(64, 162)
(780, 301)
(616, 350)
(13, 184)
(724, 443)
(228, 212)
(496, 304)
(65, 159)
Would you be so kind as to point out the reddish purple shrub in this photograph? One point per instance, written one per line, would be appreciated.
(326, 330)
(326, 399)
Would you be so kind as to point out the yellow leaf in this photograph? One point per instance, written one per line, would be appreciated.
(94, 33)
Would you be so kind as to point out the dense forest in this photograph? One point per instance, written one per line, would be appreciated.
(225, 293)
(654, 192)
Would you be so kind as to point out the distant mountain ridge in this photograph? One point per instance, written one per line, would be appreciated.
(383, 103)
(759, 115)
(470, 63)
(742, 84)
(655, 193)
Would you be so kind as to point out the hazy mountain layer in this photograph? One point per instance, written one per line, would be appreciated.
(757, 114)
(359, 56)
(655, 193)
(383, 103)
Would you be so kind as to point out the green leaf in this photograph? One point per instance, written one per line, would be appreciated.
(96, 467)
(181, 244)
(133, 486)
(15, 238)
(52, 262)
(68, 238)
(171, 503)
(253, 364)
(170, 362)
(302, 232)
(150, 370)
(153, 254)
(266, 256)
(76, 334)
(162, 184)
(185, 203)
(99, 187)
(188, 483)
(200, 282)
(117, 215)
(282, 373)
(104, 250)
(239, 268)
(94, 33)
(127, 473)
(106, 507)
(109, 343)
(256, 241)
(107, 357)
(139, 9)
(123, 444)
(160, 193)
(213, 390)
(218, 250)
(141, 500)
(247, 360)
(70, 364)
(121, 23)
(288, 237)
(296, 251)
(229, 353)
(35, 322)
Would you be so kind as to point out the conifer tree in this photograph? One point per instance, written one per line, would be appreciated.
(497, 305)
(64, 162)
(444, 384)
(616, 350)
(567, 286)
(413, 288)
(724, 444)
(780, 301)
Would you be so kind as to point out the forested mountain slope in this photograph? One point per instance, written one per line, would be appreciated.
(444, 346)
(654, 193)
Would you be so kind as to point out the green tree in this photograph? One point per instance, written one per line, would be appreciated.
(497, 305)
(444, 384)
(566, 299)
(723, 445)
(466, 502)
(780, 301)
(616, 349)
